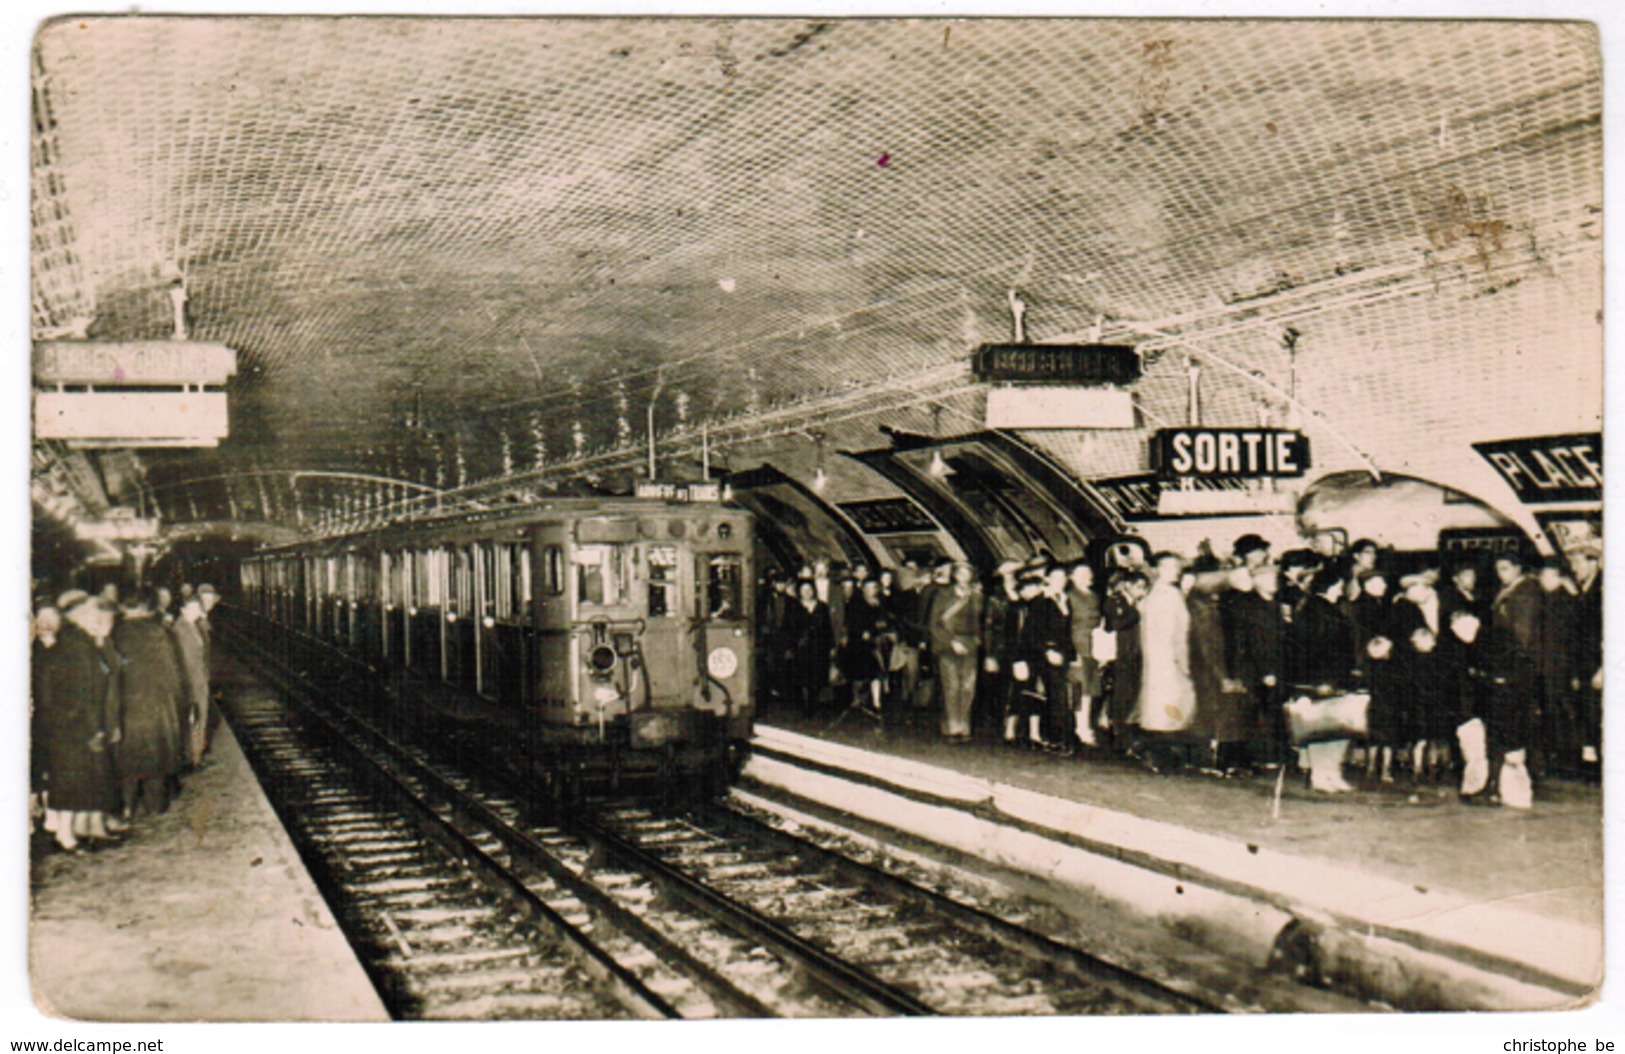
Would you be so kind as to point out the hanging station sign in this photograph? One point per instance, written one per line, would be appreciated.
(888, 516)
(1236, 453)
(1147, 496)
(1544, 470)
(152, 393)
(1057, 363)
(180, 362)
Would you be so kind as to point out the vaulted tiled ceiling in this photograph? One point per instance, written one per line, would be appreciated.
(531, 228)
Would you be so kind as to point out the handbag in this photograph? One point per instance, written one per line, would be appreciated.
(1103, 644)
(1327, 720)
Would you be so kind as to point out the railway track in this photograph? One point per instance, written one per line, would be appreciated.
(708, 914)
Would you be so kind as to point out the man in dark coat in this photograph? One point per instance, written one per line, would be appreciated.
(1255, 635)
(808, 641)
(1586, 649)
(1512, 668)
(193, 650)
(154, 698)
(79, 700)
(1047, 648)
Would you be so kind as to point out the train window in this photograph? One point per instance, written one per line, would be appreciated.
(521, 584)
(461, 573)
(662, 581)
(553, 569)
(722, 576)
(600, 574)
(425, 582)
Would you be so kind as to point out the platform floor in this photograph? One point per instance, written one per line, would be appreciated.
(205, 914)
(1548, 860)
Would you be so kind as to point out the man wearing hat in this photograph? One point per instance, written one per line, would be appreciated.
(1252, 551)
(194, 652)
(1511, 658)
(79, 705)
(1585, 560)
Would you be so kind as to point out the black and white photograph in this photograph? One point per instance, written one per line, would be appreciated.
(602, 516)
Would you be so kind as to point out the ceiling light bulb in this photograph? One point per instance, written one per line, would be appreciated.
(820, 479)
(939, 467)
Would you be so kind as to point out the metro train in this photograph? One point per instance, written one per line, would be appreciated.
(609, 639)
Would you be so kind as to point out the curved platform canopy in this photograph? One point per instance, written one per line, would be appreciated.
(468, 261)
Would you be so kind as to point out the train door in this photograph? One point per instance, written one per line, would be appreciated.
(397, 599)
(333, 615)
(667, 660)
(425, 614)
(502, 579)
(462, 616)
(553, 607)
(720, 641)
(310, 617)
(349, 629)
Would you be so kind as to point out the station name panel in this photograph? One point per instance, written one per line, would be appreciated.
(1243, 453)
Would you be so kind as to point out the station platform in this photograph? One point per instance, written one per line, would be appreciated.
(1512, 898)
(205, 913)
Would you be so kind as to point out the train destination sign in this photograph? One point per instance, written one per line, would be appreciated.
(1243, 453)
(1547, 469)
(1057, 363)
(689, 492)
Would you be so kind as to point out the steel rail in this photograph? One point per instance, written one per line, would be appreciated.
(850, 981)
(1066, 959)
(627, 988)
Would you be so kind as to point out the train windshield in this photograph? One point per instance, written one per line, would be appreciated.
(722, 577)
(601, 574)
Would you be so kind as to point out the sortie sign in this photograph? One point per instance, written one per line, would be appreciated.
(1243, 453)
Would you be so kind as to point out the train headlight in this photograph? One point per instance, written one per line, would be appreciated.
(722, 662)
(601, 659)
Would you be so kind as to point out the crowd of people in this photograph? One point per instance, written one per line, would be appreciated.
(119, 707)
(1482, 670)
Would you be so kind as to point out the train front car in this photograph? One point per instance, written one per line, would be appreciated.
(645, 630)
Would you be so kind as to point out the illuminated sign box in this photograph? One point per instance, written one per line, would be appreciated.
(132, 418)
(133, 362)
(1057, 363)
(1248, 453)
(1048, 407)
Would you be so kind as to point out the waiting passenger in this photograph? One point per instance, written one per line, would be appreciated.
(808, 643)
(154, 693)
(955, 627)
(1167, 694)
(194, 654)
(44, 627)
(79, 697)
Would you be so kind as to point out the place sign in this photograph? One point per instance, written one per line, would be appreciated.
(684, 492)
(1547, 469)
(888, 516)
(1244, 453)
(132, 362)
(1142, 497)
(1057, 363)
